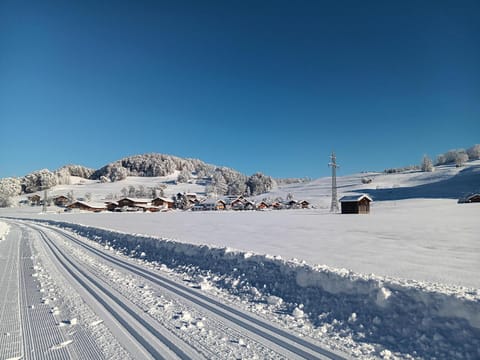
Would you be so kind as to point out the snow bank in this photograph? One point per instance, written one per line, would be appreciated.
(4, 229)
(406, 317)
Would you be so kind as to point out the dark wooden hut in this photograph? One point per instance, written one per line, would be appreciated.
(355, 204)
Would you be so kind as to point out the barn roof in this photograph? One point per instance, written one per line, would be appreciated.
(87, 204)
(164, 199)
(60, 197)
(355, 198)
(136, 200)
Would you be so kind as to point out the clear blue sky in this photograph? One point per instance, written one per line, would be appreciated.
(270, 86)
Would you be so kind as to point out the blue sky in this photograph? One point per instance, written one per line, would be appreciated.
(270, 86)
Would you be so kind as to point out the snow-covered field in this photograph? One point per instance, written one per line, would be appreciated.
(430, 240)
(400, 282)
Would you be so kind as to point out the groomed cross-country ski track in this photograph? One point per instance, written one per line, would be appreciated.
(65, 297)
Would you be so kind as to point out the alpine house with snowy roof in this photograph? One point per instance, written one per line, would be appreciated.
(355, 204)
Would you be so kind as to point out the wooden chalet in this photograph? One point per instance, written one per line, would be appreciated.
(81, 205)
(238, 203)
(209, 205)
(34, 199)
(355, 204)
(163, 203)
(150, 208)
(262, 205)
(248, 205)
(111, 205)
(291, 204)
(133, 202)
(192, 197)
(61, 200)
(277, 205)
(304, 204)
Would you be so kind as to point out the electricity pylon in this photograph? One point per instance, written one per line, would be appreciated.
(334, 166)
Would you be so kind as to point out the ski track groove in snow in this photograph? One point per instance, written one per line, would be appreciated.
(66, 305)
(41, 332)
(272, 336)
(149, 336)
(10, 330)
(145, 299)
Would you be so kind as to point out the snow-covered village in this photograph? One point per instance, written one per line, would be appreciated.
(226, 180)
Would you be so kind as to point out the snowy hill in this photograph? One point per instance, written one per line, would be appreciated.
(446, 182)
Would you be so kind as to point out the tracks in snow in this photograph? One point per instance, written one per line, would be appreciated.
(143, 337)
(277, 340)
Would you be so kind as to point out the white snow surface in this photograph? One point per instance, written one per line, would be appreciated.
(432, 240)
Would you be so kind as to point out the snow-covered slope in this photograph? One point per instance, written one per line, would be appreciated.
(446, 182)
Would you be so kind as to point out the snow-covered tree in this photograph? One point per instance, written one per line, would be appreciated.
(184, 175)
(457, 157)
(70, 196)
(78, 170)
(63, 176)
(9, 187)
(141, 192)
(118, 173)
(474, 152)
(259, 183)
(39, 180)
(461, 158)
(219, 185)
(427, 164)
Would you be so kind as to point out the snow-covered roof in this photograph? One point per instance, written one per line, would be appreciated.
(136, 200)
(164, 199)
(212, 201)
(354, 198)
(89, 204)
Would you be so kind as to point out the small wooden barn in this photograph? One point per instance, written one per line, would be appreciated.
(355, 204)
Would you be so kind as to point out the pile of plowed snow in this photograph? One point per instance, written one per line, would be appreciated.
(4, 229)
(382, 316)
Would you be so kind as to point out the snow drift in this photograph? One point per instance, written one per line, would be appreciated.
(405, 317)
